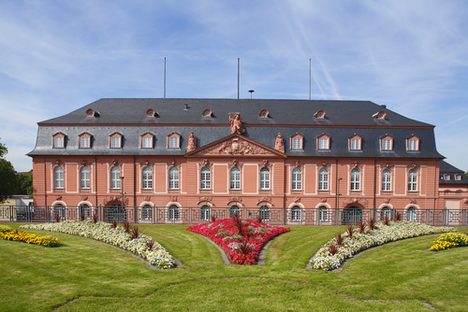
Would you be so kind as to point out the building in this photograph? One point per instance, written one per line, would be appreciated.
(288, 161)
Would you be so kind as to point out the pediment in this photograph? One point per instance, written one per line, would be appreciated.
(235, 145)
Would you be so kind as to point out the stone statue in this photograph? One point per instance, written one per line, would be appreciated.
(279, 144)
(192, 142)
(236, 124)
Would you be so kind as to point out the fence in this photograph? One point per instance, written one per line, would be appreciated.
(194, 215)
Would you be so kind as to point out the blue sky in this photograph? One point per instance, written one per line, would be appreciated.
(56, 56)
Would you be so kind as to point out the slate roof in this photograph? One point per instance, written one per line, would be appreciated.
(128, 116)
(448, 169)
(293, 112)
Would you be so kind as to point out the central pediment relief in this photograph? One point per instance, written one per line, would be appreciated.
(236, 145)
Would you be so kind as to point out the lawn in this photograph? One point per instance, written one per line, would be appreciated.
(86, 275)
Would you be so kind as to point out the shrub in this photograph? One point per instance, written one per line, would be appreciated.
(5, 228)
(386, 220)
(339, 240)
(450, 240)
(95, 217)
(372, 223)
(259, 218)
(126, 226)
(8, 233)
(135, 232)
(238, 223)
(57, 217)
(150, 244)
(114, 224)
(213, 217)
(398, 216)
(362, 227)
(350, 231)
(332, 249)
(82, 217)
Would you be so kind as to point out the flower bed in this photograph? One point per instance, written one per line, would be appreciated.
(334, 253)
(242, 240)
(8, 233)
(125, 238)
(450, 240)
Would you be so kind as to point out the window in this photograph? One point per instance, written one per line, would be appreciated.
(386, 180)
(235, 178)
(116, 140)
(147, 141)
(115, 178)
(323, 179)
(234, 211)
(207, 113)
(59, 140)
(355, 143)
(205, 213)
(296, 179)
(324, 142)
(85, 212)
(446, 177)
(386, 143)
(296, 214)
(381, 115)
(264, 178)
(147, 178)
(173, 141)
(297, 142)
(205, 178)
(85, 180)
(413, 180)
(320, 114)
(59, 210)
(386, 212)
(458, 177)
(411, 214)
(85, 141)
(173, 213)
(323, 214)
(355, 179)
(412, 144)
(174, 178)
(59, 177)
(264, 113)
(264, 213)
(147, 213)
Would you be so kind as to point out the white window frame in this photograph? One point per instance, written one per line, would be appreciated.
(296, 179)
(386, 144)
(59, 177)
(323, 213)
(147, 178)
(355, 180)
(296, 214)
(355, 144)
(85, 141)
(235, 178)
(173, 142)
(386, 180)
(296, 143)
(173, 178)
(324, 143)
(59, 141)
(264, 178)
(116, 141)
(147, 141)
(205, 213)
(115, 177)
(412, 180)
(205, 178)
(85, 178)
(323, 179)
(412, 144)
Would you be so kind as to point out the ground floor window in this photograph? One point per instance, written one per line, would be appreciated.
(234, 210)
(147, 213)
(264, 213)
(352, 215)
(85, 211)
(323, 214)
(59, 210)
(205, 213)
(295, 214)
(173, 213)
(411, 214)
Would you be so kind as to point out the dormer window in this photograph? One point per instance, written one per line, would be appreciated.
(297, 142)
(320, 115)
(447, 177)
(386, 143)
(355, 143)
(147, 140)
(91, 113)
(115, 140)
(85, 140)
(323, 142)
(264, 114)
(458, 177)
(58, 140)
(151, 113)
(412, 144)
(381, 115)
(207, 113)
(173, 141)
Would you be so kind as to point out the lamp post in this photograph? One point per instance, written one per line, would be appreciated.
(123, 198)
(337, 200)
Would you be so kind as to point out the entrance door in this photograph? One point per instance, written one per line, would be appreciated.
(352, 215)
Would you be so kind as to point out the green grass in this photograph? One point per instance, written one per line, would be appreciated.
(86, 275)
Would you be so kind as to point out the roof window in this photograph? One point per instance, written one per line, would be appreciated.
(381, 115)
(207, 113)
(91, 113)
(264, 113)
(321, 114)
(151, 113)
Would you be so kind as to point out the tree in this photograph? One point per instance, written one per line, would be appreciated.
(24, 183)
(8, 178)
(3, 150)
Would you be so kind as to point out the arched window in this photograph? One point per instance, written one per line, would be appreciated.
(411, 214)
(264, 178)
(85, 211)
(173, 141)
(296, 179)
(264, 212)
(59, 210)
(235, 178)
(205, 213)
(386, 212)
(386, 143)
(323, 142)
(85, 140)
(323, 179)
(147, 140)
(355, 143)
(173, 213)
(412, 144)
(147, 213)
(147, 178)
(116, 140)
(413, 180)
(85, 180)
(174, 178)
(355, 180)
(115, 178)
(296, 214)
(323, 214)
(205, 178)
(234, 211)
(297, 141)
(386, 180)
(58, 140)
(59, 181)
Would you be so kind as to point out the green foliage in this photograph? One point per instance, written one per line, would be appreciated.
(24, 183)
(8, 177)
(3, 150)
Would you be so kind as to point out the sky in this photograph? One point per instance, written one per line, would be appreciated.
(56, 56)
